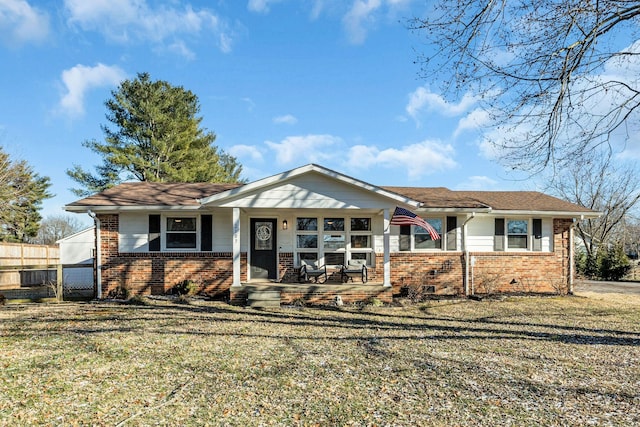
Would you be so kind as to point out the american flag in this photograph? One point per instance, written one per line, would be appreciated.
(403, 216)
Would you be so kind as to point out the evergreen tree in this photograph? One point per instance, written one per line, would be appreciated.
(21, 194)
(156, 136)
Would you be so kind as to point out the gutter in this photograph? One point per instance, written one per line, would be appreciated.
(467, 291)
(98, 254)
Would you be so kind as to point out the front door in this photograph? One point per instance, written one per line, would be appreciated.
(264, 262)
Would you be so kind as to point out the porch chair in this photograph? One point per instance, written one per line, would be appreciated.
(309, 270)
(354, 268)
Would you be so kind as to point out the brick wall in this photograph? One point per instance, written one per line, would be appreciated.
(543, 272)
(157, 272)
(442, 270)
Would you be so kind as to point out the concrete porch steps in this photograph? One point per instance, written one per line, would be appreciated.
(263, 298)
(271, 294)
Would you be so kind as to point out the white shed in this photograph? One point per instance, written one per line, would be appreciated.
(78, 249)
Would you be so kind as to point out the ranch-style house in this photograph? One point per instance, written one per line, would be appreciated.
(313, 234)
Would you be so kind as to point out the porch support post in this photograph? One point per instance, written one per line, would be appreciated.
(387, 250)
(236, 247)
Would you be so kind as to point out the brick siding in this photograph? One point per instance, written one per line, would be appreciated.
(153, 273)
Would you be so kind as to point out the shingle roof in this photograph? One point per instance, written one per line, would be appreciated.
(441, 197)
(187, 194)
(154, 194)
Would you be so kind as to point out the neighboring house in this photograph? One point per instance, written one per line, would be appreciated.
(234, 238)
(78, 249)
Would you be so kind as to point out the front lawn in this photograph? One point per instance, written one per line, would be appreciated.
(521, 361)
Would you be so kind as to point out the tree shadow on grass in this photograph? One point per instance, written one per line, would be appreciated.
(342, 324)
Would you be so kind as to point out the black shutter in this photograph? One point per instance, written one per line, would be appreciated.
(154, 233)
(405, 237)
(537, 234)
(452, 225)
(498, 237)
(206, 239)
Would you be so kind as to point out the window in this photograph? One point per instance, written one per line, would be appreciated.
(338, 240)
(413, 237)
(307, 239)
(517, 234)
(422, 238)
(181, 233)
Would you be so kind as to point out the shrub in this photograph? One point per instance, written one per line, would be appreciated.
(606, 263)
(615, 264)
(3, 299)
(374, 302)
(186, 287)
(120, 292)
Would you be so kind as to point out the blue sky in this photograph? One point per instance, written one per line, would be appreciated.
(282, 83)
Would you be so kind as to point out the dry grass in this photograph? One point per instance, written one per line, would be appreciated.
(525, 361)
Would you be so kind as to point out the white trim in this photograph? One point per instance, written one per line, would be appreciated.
(64, 239)
(236, 248)
(163, 233)
(553, 214)
(386, 270)
(136, 208)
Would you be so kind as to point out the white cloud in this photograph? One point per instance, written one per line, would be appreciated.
(424, 158)
(478, 183)
(475, 120)
(80, 79)
(21, 23)
(287, 119)
(360, 18)
(249, 152)
(181, 49)
(423, 99)
(260, 6)
(365, 15)
(134, 20)
(250, 104)
(303, 149)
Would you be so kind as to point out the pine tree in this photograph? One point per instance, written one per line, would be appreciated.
(21, 194)
(156, 136)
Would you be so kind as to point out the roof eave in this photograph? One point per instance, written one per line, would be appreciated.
(107, 209)
(566, 214)
(456, 210)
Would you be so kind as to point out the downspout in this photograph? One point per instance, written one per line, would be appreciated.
(467, 291)
(98, 263)
(572, 251)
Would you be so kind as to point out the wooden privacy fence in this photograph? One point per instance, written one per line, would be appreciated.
(32, 272)
(22, 255)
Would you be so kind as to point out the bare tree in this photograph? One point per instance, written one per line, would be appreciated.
(559, 78)
(56, 227)
(600, 185)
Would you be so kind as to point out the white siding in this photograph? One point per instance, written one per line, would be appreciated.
(547, 235)
(134, 232)
(311, 191)
(78, 249)
(223, 231)
(481, 231)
